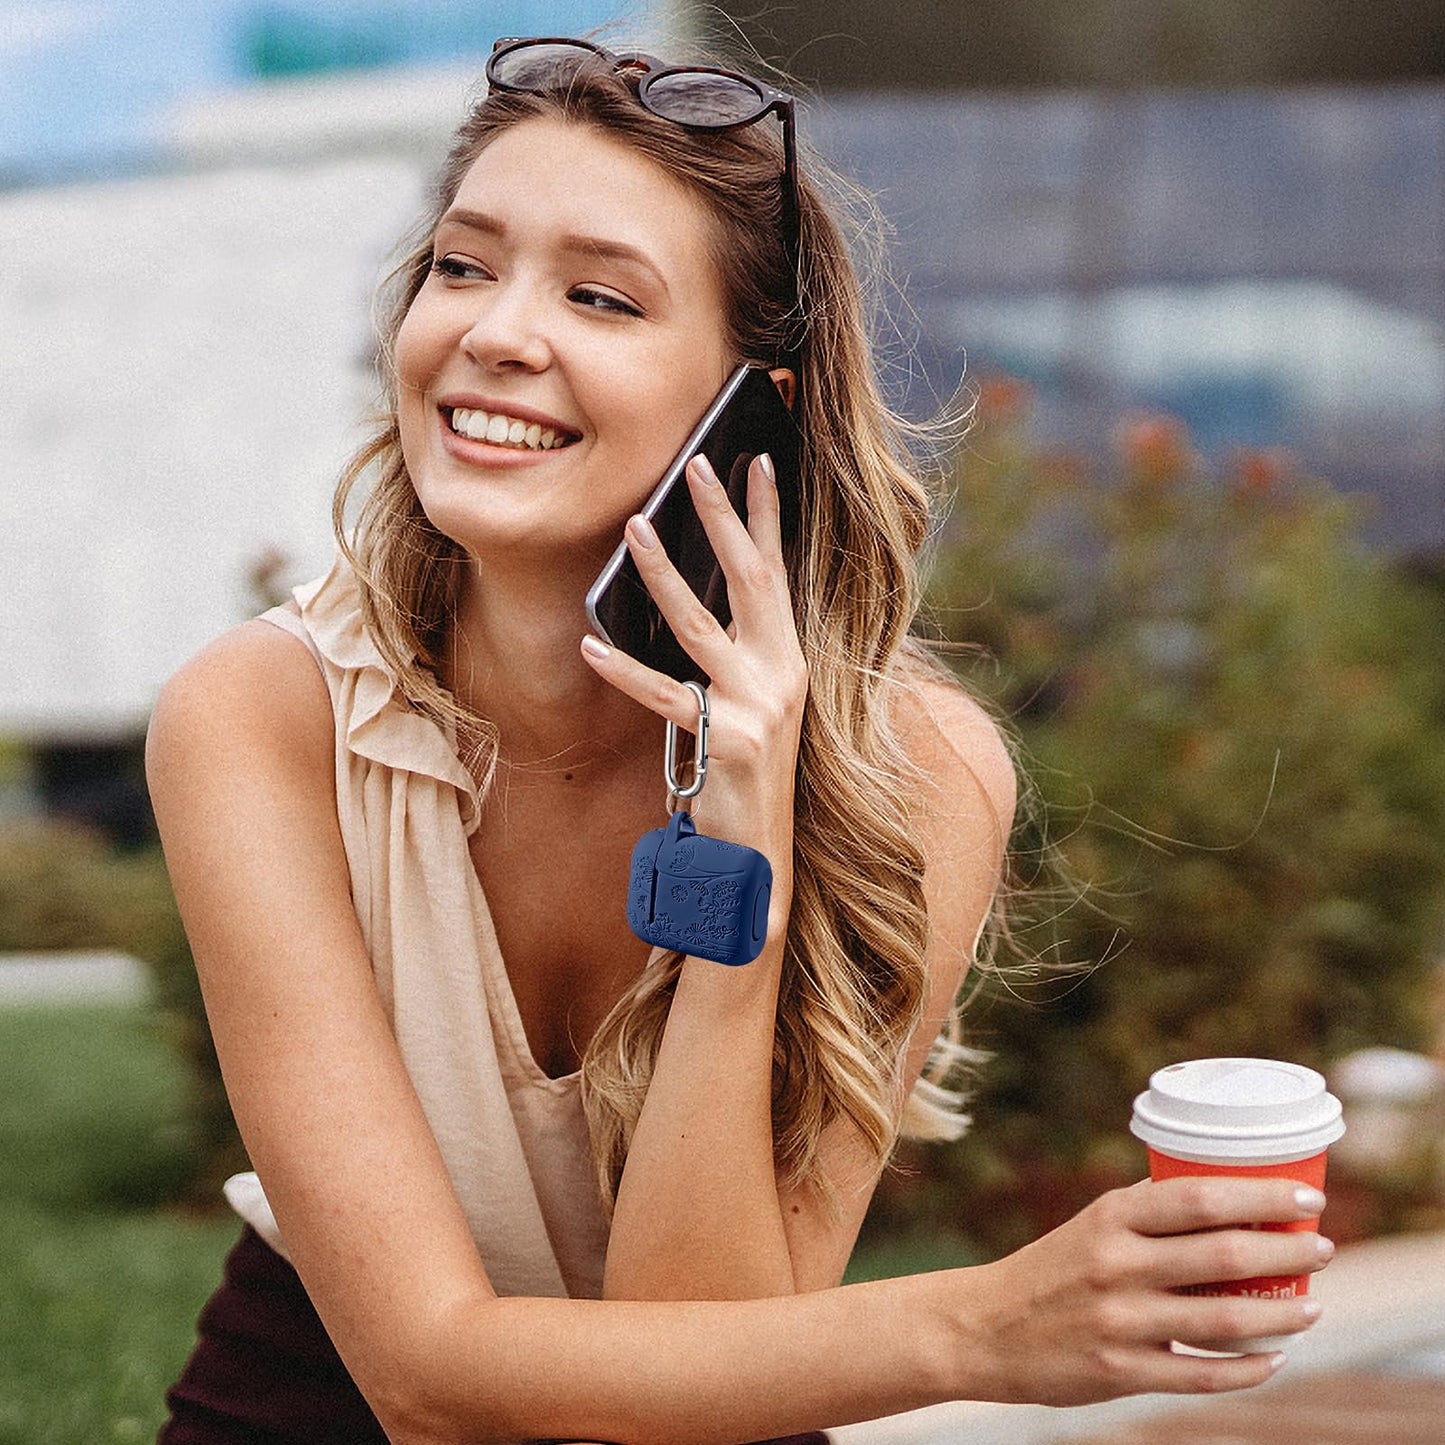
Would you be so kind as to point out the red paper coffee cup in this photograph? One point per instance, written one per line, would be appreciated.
(1257, 1117)
(1268, 1286)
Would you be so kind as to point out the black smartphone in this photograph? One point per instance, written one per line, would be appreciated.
(746, 418)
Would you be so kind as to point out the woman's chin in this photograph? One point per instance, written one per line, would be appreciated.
(534, 545)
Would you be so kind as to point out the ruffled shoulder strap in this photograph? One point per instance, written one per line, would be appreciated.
(373, 715)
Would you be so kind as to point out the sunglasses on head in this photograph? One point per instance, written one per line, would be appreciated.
(696, 97)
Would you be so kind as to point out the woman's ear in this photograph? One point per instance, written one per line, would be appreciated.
(787, 384)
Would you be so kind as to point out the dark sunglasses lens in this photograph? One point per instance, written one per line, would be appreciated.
(691, 97)
(540, 67)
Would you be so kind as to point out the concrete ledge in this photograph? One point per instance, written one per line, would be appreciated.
(93, 976)
(1383, 1300)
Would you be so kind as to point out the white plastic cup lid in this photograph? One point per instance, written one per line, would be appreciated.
(1230, 1110)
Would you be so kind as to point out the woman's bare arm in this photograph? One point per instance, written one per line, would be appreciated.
(698, 1213)
(241, 759)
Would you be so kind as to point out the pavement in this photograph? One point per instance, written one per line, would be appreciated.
(1371, 1372)
(87, 976)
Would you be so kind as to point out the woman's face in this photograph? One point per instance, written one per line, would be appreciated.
(567, 340)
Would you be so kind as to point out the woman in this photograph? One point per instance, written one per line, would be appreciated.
(399, 815)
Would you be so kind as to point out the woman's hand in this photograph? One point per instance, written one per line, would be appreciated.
(758, 679)
(1088, 1312)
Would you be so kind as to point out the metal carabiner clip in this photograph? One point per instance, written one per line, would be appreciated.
(699, 766)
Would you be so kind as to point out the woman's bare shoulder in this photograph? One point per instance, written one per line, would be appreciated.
(253, 690)
(958, 748)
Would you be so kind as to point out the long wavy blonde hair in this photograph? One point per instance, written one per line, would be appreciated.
(854, 980)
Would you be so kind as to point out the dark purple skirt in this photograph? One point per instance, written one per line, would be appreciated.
(264, 1370)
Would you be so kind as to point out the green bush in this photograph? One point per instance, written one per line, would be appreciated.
(1234, 715)
(58, 888)
(65, 887)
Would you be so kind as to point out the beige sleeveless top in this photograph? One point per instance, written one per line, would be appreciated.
(515, 1141)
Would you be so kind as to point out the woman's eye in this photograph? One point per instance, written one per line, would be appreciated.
(457, 268)
(595, 300)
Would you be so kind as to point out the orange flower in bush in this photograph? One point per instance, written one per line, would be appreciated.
(1004, 400)
(1256, 472)
(1154, 447)
(1360, 683)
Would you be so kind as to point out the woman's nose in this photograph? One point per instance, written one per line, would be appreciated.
(507, 331)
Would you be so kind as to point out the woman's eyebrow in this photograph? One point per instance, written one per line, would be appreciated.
(603, 248)
(472, 220)
(607, 249)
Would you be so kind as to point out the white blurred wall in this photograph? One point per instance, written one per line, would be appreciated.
(183, 370)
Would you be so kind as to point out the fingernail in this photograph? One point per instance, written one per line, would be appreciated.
(1277, 1362)
(595, 647)
(702, 471)
(1310, 1308)
(1325, 1248)
(1309, 1201)
(769, 471)
(642, 533)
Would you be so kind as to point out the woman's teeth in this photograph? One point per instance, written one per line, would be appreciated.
(507, 431)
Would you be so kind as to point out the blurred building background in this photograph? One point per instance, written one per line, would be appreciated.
(1028, 44)
(1267, 265)
(1234, 212)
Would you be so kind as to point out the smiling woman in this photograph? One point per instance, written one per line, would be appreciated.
(533, 1179)
(591, 312)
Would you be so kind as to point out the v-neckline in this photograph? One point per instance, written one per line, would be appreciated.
(499, 983)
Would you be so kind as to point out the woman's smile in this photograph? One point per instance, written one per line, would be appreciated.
(509, 426)
(503, 430)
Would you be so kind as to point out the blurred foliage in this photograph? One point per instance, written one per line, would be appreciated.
(63, 886)
(14, 763)
(92, 1110)
(1233, 714)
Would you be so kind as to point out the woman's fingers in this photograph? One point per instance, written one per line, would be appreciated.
(1211, 1230)
(1200, 1319)
(657, 692)
(757, 583)
(758, 680)
(696, 629)
(1187, 1204)
(751, 556)
(765, 520)
(1163, 1372)
(1103, 1296)
(1221, 1256)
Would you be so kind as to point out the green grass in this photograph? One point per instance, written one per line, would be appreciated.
(99, 1288)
